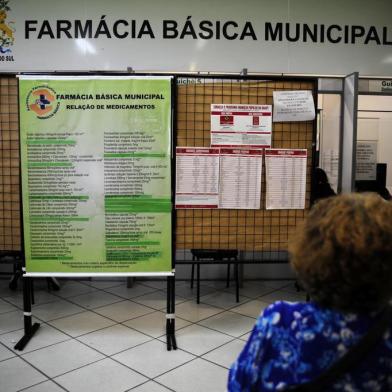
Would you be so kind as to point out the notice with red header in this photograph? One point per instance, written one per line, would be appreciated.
(197, 180)
(248, 126)
(285, 178)
(240, 178)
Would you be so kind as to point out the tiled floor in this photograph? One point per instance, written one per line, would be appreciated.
(100, 335)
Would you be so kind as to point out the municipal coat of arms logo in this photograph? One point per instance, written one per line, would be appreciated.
(6, 29)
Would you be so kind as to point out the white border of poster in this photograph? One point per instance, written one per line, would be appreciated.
(79, 110)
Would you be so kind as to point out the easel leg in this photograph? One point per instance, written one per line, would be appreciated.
(130, 282)
(29, 327)
(170, 315)
(198, 283)
(192, 273)
(228, 275)
(237, 283)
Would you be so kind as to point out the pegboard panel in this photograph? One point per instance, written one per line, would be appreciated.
(10, 219)
(261, 234)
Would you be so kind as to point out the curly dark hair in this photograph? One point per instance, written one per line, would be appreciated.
(343, 254)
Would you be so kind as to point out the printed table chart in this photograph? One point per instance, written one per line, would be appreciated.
(240, 178)
(197, 181)
(285, 178)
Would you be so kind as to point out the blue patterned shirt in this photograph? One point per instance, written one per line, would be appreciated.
(292, 343)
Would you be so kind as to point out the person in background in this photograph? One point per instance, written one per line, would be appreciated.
(322, 187)
(343, 258)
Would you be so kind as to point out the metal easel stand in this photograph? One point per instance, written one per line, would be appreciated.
(170, 314)
(29, 328)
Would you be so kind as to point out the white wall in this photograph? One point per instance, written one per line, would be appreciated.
(38, 46)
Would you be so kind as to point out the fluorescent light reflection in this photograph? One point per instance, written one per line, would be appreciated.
(85, 46)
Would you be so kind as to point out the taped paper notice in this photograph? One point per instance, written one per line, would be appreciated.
(293, 106)
(248, 126)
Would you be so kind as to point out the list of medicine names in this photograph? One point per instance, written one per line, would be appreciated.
(132, 166)
(62, 179)
(285, 178)
(60, 207)
(240, 178)
(137, 189)
(197, 181)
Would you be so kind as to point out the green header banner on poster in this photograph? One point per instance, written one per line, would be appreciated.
(96, 175)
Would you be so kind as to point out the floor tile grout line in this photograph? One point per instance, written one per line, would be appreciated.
(176, 367)
(158, 339)
(95, 330)
(36, 368)
(69, 299)
(121, 300)
(59, 318)
(137, 371)
(111, 357)
(225, 333)
(150, 380)
(212, 329)
(96, 350)
(40, 348)
(70, 337)
(130, 348)
(81, 342)
(106, 289)
(215, 348)
(247, 301)
(92, 310)
(42, 382)
(187, 362)
(185, 300)
(21, 307)
(153, 337)
(85, 282)
(105, 356)
(8, 301)
(53, 378)
(6, 359)
(21, 329)
(226, 309)
(10, 304)
(217, 364)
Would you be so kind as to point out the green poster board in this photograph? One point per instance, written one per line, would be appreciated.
(96, 175)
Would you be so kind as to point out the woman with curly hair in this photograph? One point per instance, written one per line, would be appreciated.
(343, 258)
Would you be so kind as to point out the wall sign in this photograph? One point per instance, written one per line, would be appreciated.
(284, 36)
(380, 86)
